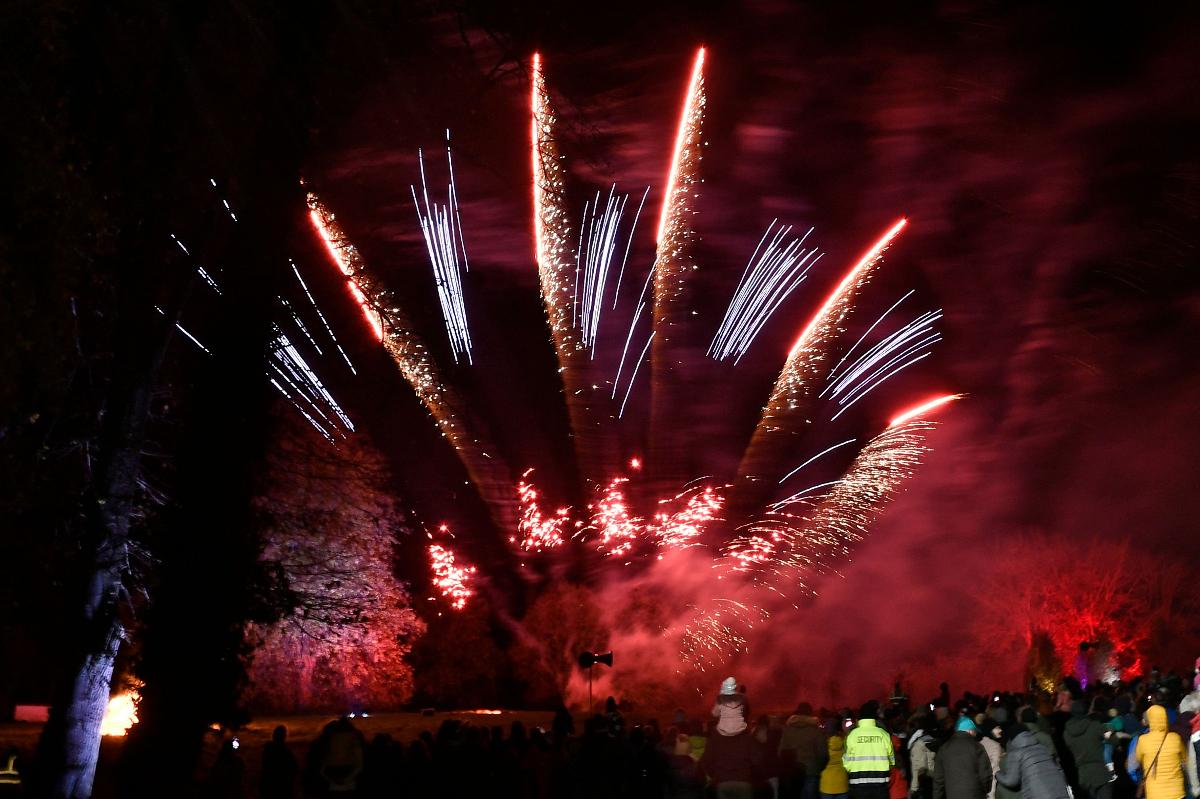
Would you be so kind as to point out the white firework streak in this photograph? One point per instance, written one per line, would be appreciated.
(441, 226)
(321, 316)
(185, 332)
(316, 425)
(593, 262)
(303, 328)
(224, 202)
(903, 348)
(771, 274)
(637, 315)
(288, 362)
(633, 377)
(200, 270)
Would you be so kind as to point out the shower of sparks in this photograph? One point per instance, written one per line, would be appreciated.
(612, 527)
(321, 316)
(185, 332)
(200, 270)
(416, 364)
(771, 274)
(923, 409)
(689, 122)
(674, 228)
(551, 226)
(683, 528)
(802, 368)
(612, 521)
(538, 532)
(873, 479)
(903, 348)
(441, 226)
(717, 633)
(594, 259)
(452, 580)
(345, 256)
(224, 202)
(776, 557)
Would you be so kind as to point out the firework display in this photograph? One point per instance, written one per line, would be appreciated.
(391, 326)
(450, 577)
(746, 562)
(442, 227)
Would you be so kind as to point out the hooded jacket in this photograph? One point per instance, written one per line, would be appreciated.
(834, 779)
(805, 743)
(962, 769)
(1164, 778)
(1031, 768)
(1084, 737)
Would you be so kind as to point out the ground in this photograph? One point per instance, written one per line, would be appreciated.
(302, 731)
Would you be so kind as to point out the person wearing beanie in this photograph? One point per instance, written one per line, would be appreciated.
(1085, 738)
(731, 709)
(869, 756)
(962, 769)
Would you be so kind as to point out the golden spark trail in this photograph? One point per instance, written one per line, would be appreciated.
(408, 351)
(672, 265)
(588, 404)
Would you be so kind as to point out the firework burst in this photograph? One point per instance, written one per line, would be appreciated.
(745, 559)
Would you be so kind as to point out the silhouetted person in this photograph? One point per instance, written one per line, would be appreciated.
(226, 778)
(279, 768)
(342, 759)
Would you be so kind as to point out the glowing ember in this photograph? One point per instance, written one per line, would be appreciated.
(121, 714)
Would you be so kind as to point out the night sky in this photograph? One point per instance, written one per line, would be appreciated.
(1044, 157)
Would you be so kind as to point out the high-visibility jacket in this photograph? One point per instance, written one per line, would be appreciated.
(8, 771)
(869, 754)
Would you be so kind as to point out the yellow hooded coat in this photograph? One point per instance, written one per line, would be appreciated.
(1165, 779)
(834, 779)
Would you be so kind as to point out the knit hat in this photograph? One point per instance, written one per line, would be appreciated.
(1078, 709)
(1029, 716)
(966, 725)
(728, 686)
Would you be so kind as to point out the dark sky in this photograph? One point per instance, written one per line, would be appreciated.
(1046, 160)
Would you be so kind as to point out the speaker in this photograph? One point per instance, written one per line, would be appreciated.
(589, 659)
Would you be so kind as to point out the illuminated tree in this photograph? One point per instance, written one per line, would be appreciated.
(332, 527)
(1048, 594)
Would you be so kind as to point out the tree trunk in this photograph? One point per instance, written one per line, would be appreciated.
(70, 743)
